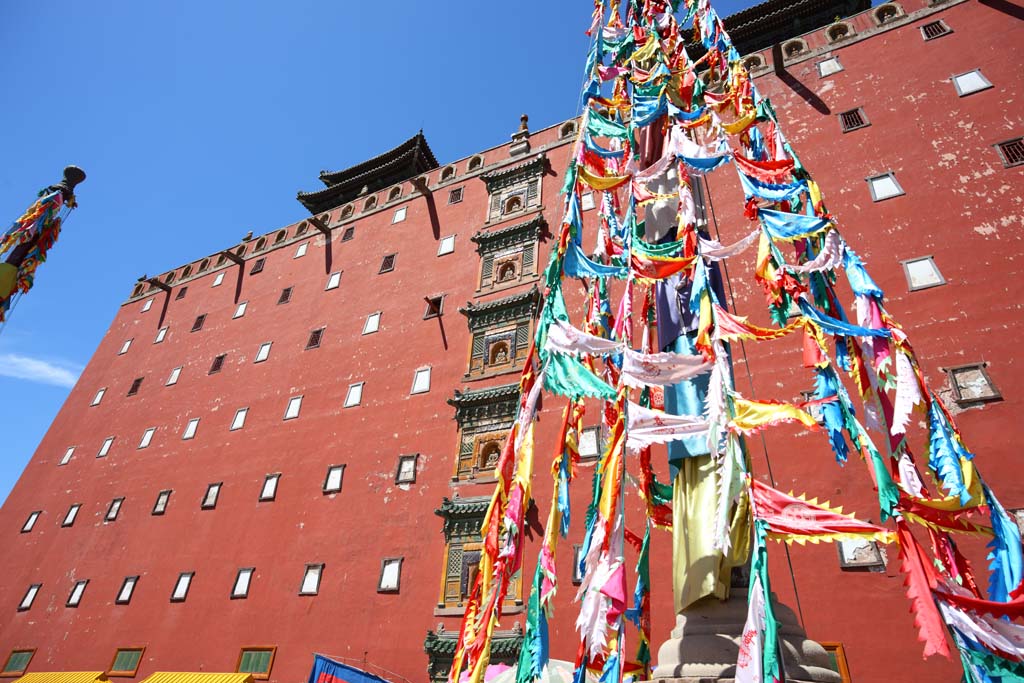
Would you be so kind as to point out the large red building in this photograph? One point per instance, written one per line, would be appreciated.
(287, 447)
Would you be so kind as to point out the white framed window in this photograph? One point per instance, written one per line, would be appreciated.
(587, 201)
(239, 420)
(294, 405)
(98, 397)
(113, 510)
(972, 384)
(884, 186)
(333, 281)
(124, 596)
(105, 448)
(173, 377)
(447, 245)
(301, 250)
(372, 323)
(922, 273)
(242, 582)
(240, 310)
(406, 473)
(30, 597)
(181, 586)
(399, 215)
(147, 437)
(210, 498)
(269, 490)
(311, 579)
(354, 396)
(124, 347)
(829, 66)
(160, 507)
(263, 353)
(190, 429)
(71, 515)
(217, 280)
(33, 517)
(161, 334)
(68, 454)
(390, 575)
(148, 305)
(970, 82)
(77, 591)
(332, 482)
(421, 381)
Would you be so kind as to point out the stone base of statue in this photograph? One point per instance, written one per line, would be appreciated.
(705, 644)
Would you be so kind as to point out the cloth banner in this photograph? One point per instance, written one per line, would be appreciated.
(791, 518)
(660, 369)
(564, 338)
(646, 426)
(329, 671)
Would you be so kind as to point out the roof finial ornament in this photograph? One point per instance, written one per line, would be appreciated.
(522, 123)
(521, 138)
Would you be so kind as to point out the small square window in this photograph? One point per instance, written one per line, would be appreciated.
(406, 473)
(126, 661)
(77, 591)
(160, 507)
(30, 522)
(181, 293)
(970, 82)
(390, 575)
(161, 334)
(181, 586)
(98, 397)
(113, 510)
(217, 364)
(399, 215)
(1011, 152)
(333, 281)
(173, 377)
(285, 297)
(124, 596)
(294, 405)
(269, 490)
(239, 420)
(218, 280)
(257, 661)
(388, 264)
(332, 482)
(30, 597)
(354, 396)
(124, 347)
(17, 662)
(210, 498)
(860, 554)
(972, 384)
(590, 443)
(72, 514)
(148, 305)
(240, 310)
(455, 195)
(852, 120)
(263, 353)
(242, 582)
(935, 29)
(447, 245)
(349, 233)
(311, 579)
(587, 201)
(577, 564)
(829, 66)
(922, 273)
(147, 438)
(68, 454)
(105, 447)
(421, 381)
(136, 385)
(884, 186)
(315, 337)
(837, 659)
(190, 429)
(198, 324)
(301, 250)
(372, 323)
(257, 266)
(435, 307)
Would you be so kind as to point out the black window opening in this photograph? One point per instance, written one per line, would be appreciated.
(218, 363)
(181, 293)
(455, 195)
(198, 324)
(435, 306)
(315, 337)
(934, 30)
(388, 264)
(286, 296)
(349, 233)
(1012, 152)
(136, 384)
(852, 120)
(257, 266)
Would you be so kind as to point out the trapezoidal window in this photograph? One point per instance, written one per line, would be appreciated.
(1011, 152)
(387, 264)
(853, 119)
(935, 29)
(972, 384)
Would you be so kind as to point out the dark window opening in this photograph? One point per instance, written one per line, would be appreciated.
(286, 296)
(257, 266)
(388, 264)
(435, 306)
(1012, 152)
(852, 120)
(934, 30)
(198, 324)
(181, 293)
(349, 233)
(136, 383)
(218, 363)
(315, 337)
(455, 196)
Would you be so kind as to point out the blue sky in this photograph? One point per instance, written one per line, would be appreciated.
(198, 121)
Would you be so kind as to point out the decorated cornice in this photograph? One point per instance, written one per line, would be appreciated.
(488, 241)
(462, 516)
(506, 644)
(510, 175)
(492, 402)
(506, 309)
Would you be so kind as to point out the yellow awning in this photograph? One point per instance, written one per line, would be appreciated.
(62, 677)
(192, 677)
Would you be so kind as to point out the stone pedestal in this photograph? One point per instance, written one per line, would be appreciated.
(705, 643)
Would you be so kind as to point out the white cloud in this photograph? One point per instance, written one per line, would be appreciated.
(38, 370)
